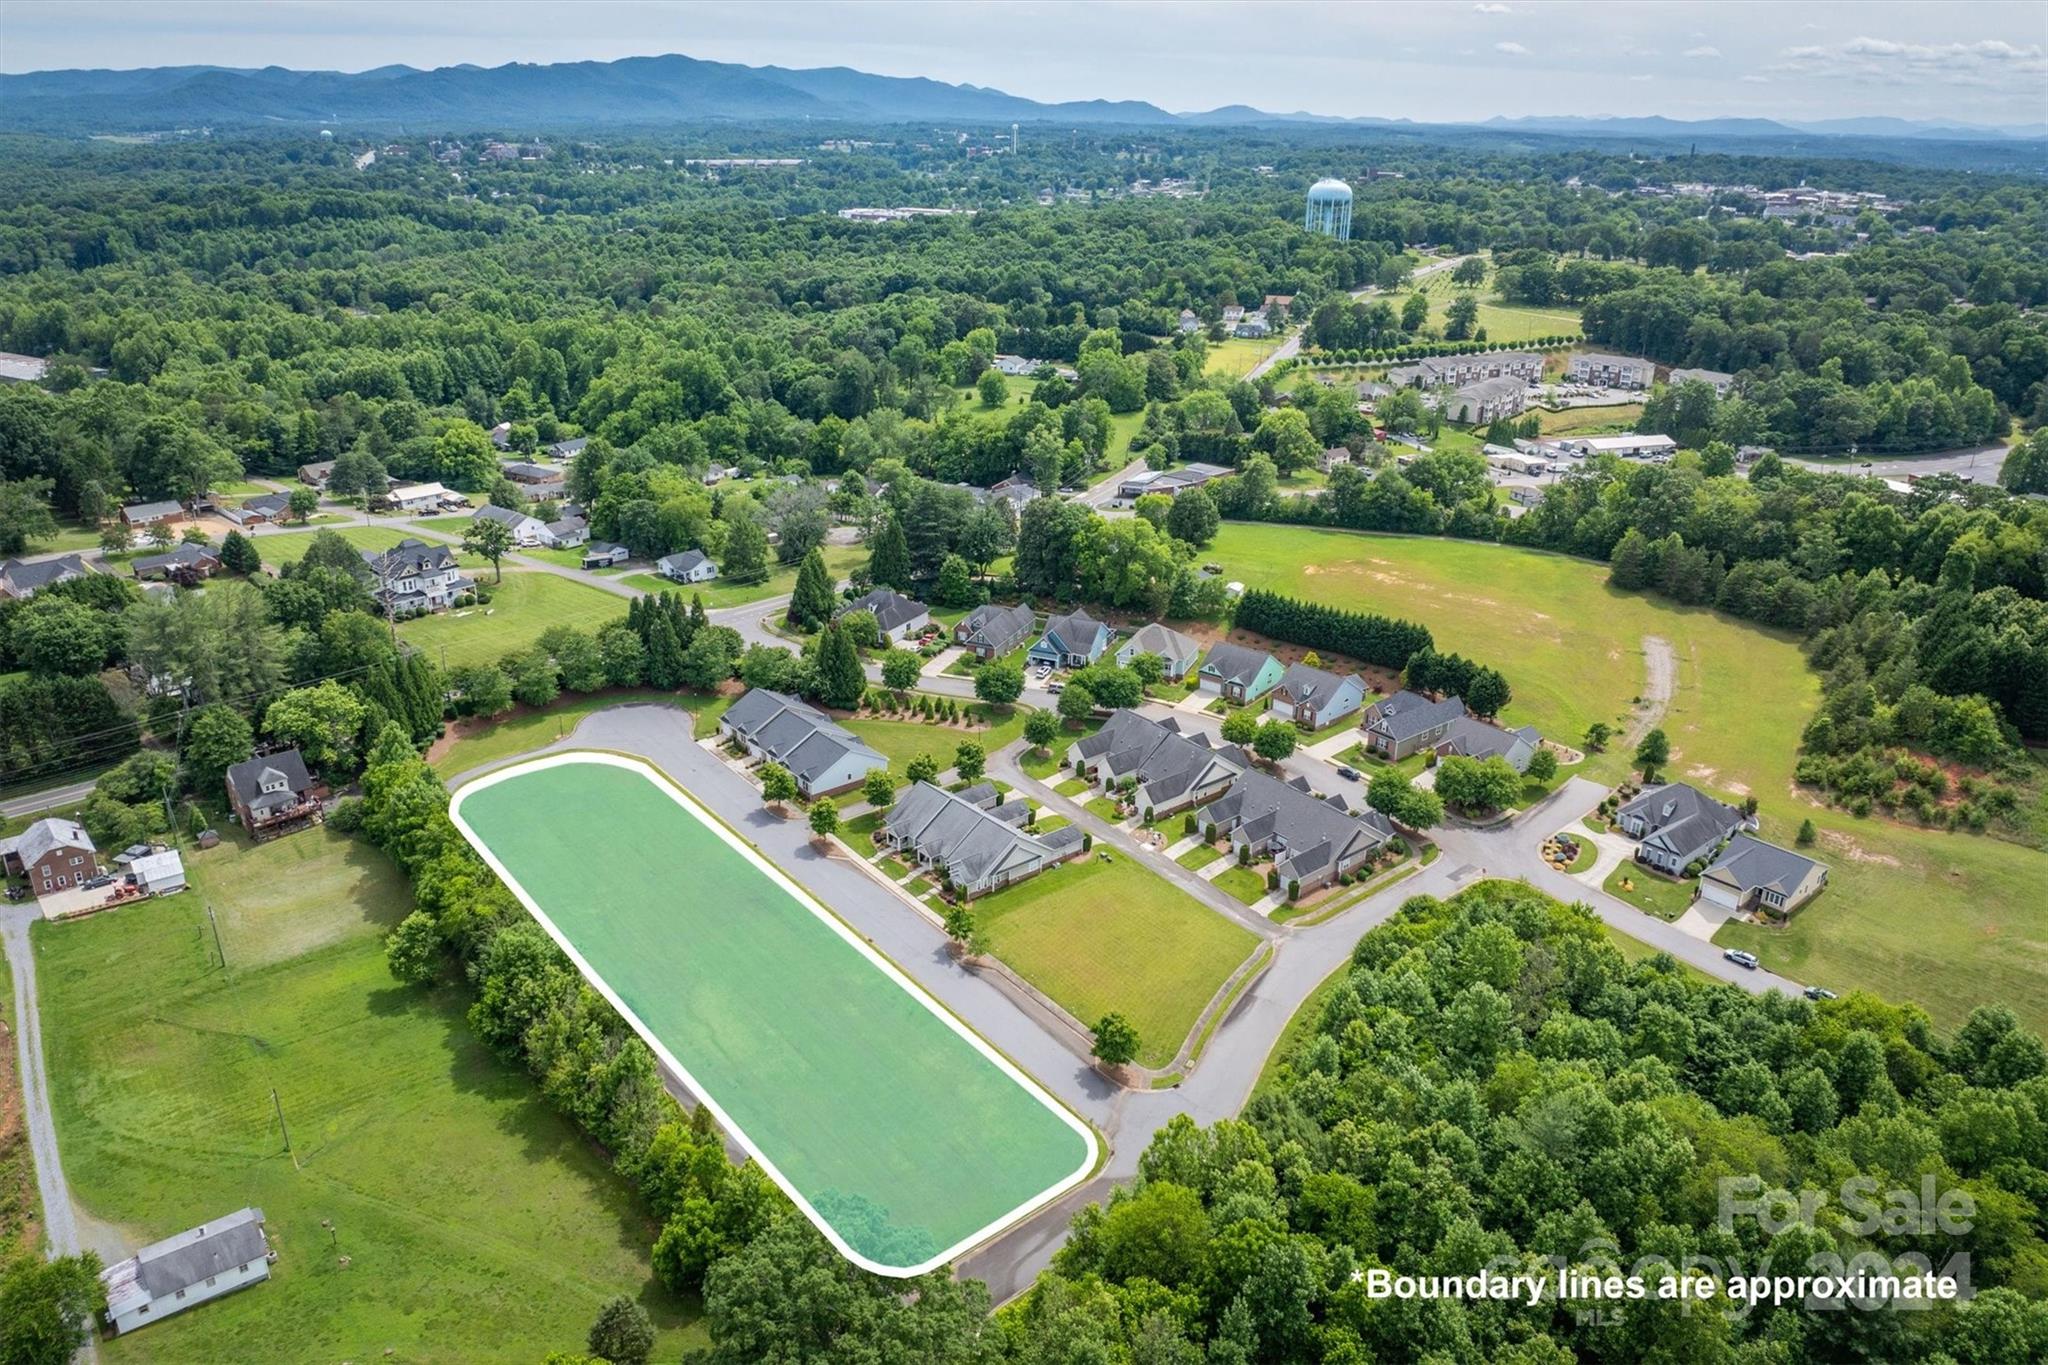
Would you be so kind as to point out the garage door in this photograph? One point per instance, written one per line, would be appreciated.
(1714, 893)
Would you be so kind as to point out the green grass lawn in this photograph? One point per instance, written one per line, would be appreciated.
(1598, 421)
(478, 1223)
(902, 1134)
(1074, 786)
(1201, 855)
(521, 608)
(1647, 891)
(523, 730)
(20, 1208)
(1943, 920)
(899, 741)
(1233, 357)
(781, 579)
(1503, 321)
(453, 525)
(289, 547)
(70, 535)
(1099, 936)
(1104, 809)
(1635, 950)
(1243, 883)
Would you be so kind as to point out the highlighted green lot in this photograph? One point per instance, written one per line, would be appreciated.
(903, 1136)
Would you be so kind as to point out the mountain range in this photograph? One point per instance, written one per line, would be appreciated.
(643, 91)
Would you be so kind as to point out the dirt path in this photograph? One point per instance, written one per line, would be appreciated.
(1660, 680)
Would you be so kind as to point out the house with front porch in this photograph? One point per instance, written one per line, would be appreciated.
(974, 839)
(991, 631)
(1471, 737)
(1407, 723)
(1677, 825)
(822, 755)
(1238, 673)
(1178, 654)
(897, 617)
(1315, 697)
(1173, 768)
(1753, 875)
(1071, 641)
(1312, 839)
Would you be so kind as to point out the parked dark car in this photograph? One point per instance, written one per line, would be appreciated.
(1348, 774)
(1819, 993)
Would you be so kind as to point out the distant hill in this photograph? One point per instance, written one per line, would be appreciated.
(672, 89)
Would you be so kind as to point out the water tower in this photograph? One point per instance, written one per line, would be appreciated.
(1329, 209)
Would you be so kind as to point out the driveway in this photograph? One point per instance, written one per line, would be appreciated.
(60, 1222)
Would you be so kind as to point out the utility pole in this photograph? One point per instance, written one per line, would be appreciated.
(278, 1105)
(216, 936)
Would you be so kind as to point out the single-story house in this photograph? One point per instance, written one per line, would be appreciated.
(1315, 697)
(1676, 825)
(991, 631)
(1471, 737)
(691, 566)
(1311, 839)
(563, 450)
(1071, 641)
(1169, 481)
(139, 514)
(896, 616)
(1525, 494)
(566, 533)
(972, 839)
(527, 531)
(1751, 873)
(51, 855)
(421, 497)
(159, 874)
(822, 755)
(602, 554)
(274, 794)
(186, 1270)
(1407, 723)
(270, 507)
(24, 578)
(525, 471)
(1173, 768)
(1181, 654)
(188, 563)
(316, 474)
(1240, 674)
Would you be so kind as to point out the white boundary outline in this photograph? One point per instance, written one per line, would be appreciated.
(675, 792)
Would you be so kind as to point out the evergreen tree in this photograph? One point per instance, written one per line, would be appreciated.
(889, 557)
(810, 605)
(840, 680)
(664, 668)
(238, 554)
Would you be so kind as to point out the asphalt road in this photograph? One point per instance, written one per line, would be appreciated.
(1981, 463)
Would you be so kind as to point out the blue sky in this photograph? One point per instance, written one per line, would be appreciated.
(1977, 61)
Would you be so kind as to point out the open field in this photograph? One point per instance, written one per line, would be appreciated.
(477, 1223)
(289, 547)
(1502, 321)
(1233, 357)
(522, 606)
(1601, 421)
(1943, 920)
(1100, 936)
(523, 729)
(840, 559)
(905, 1136)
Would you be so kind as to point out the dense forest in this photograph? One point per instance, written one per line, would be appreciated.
(1489, 1081)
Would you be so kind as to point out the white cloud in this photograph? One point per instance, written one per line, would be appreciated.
(1491, 9)
(1756, 80)
(1700, 53)
(1512, 49)
(1990, 62)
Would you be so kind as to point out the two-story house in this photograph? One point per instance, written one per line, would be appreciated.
(51, 855)
(413, 576)
(274, 794)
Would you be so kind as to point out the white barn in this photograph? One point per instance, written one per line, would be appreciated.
(186, 1270)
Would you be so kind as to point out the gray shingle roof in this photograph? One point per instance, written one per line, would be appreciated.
(505, 516)
(409, 557)
(1166, 762)
(186, 555)
(1302, 683)
(1234, 663)
(1168, 644)
(1307, 833)
(248, 779)
(151, 511)
(973, 846)
(1748, 863)
(210, 1249)
(996, 626)
(795, 734)
(1674, 802)
(1474, 738)
(892, 609)
(1407, 714)
(1076, 632)
(44, 837)
(23, 577)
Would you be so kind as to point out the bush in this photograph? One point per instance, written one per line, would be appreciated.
(1294, 889)
(347, 815)
(1087, 842)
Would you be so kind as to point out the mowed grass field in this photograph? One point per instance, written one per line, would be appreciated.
(899, 741)
(1233, 357)
(289, 547)
(523, 606)
(902, 1135)
(479, 1225)
(1945, 921)
(1100, 936)
(1502, 321)
(524, 730)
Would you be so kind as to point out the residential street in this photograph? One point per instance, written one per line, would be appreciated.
(1219, 1085)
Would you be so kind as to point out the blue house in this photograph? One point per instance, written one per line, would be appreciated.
(1072, 641)
(1242, 675)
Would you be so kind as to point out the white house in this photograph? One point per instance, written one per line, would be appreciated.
(527, 531)
(186, 1270)
(1611, 371)
(419, 497)
(896, 616)
(691, 566)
